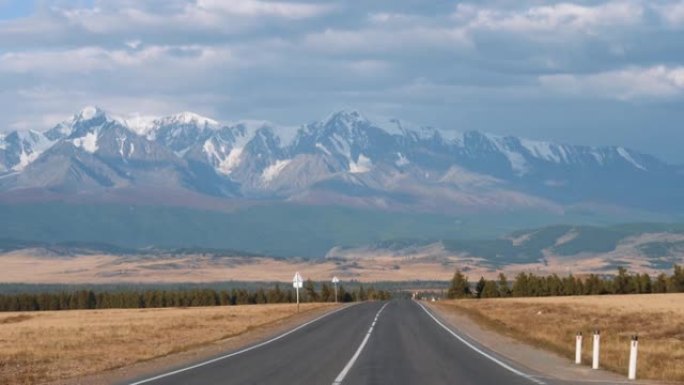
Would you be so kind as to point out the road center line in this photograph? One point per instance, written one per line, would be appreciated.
(343, 373)
(239, 351)
(482, 352)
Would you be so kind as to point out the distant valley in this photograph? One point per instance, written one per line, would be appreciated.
(579, 250)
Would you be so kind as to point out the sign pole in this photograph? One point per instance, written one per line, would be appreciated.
(597, 344)
(297, 283)
(633, 358)
(578, 348)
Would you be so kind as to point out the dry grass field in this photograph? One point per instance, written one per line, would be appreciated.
(30, 267)
(39, 347)
(431, 262)
(552, 322)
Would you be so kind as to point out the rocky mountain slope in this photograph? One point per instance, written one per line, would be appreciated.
(343, 159)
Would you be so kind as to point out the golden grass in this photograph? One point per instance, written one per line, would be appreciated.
(431, 262)
(20, 267)
(552, 322)
(47, 346)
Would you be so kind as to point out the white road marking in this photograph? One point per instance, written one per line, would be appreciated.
(483, 353)
(238, 352)
(343, 373)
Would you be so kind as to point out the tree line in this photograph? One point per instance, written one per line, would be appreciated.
(531, 285)
(134, 299)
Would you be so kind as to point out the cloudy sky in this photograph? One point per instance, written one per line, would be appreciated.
(587, 73)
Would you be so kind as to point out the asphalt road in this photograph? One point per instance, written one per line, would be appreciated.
(392, 343)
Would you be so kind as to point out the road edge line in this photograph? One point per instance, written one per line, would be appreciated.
(245, 350)
(340, 377)
(482, 352)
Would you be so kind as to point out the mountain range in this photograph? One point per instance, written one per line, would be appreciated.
(344, 159)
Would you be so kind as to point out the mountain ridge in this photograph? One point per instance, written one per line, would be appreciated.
(344, 158)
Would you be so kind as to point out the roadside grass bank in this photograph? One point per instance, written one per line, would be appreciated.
(40, 347)
(552, 323)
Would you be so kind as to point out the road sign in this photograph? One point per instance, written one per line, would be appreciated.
(335, 280)
(297, 281)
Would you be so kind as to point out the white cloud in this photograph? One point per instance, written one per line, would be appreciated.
(374, 40)
(42, 107)
(672, 13)
(133, 44)
(154, 22)
(369, 67)
(562, 17)
(91, 59)
(626, 84)
(200, 15)
(262, 8)
(40, 122)
(388, 17)
(292, 60)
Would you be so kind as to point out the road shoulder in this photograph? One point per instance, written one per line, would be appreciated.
(549, 364)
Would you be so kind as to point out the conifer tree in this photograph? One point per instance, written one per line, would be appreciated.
(504, 290)
(310, 291)
(360, 294)
(644, 284)
(327, 295)
(677, 280)
(661, 283)
(521, 285)
(480, 287)
(459, 287)
(569, 285)
(490, 289)
(622, 282)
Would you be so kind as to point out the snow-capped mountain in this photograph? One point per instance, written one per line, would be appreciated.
(342, 159)
(19, 148)
(181, 131)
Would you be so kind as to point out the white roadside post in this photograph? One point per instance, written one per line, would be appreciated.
(578, 348)
(297, 283)
(597, 343)
(633, 357)
(335, 281)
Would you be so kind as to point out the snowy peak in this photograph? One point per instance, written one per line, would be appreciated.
(526, 156)
(346, 124)
(345, 118)
(139, 124)
(19, 148)
(89, 117)
(81, 121)
(243, 132)
(173, 126)
(182, 131)
(478, 141)
(425, 134)
(88, 113)
(227, 148)
(28, 137)
(545, 150)
(349, 126)
(187, 118)
(93, 130)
